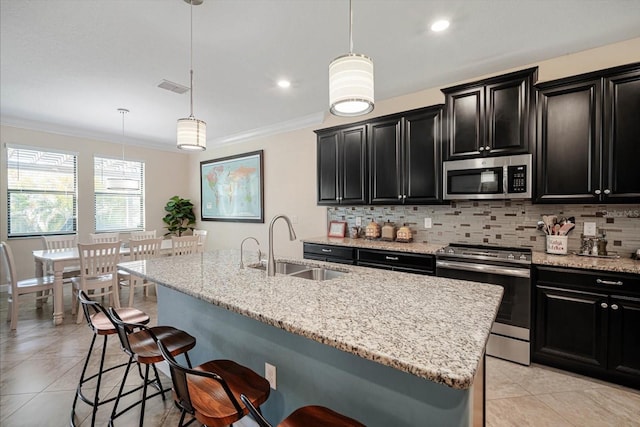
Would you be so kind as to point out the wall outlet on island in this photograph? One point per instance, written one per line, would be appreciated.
(427, 223)
(270, 374)
(358, 221)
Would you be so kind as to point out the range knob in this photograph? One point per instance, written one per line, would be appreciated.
(450, 251)
(523, 257)
(441, 250)
(510, 257)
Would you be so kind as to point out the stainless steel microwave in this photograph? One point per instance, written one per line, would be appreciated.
(507, 177)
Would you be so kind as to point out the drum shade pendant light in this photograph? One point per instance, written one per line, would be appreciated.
(192, 133)
(122, 183)
(351, 81)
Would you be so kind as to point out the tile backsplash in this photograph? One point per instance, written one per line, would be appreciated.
(501, 222)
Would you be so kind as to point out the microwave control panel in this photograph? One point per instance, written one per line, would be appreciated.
(517, 179)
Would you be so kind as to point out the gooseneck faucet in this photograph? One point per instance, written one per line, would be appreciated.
(271, 264)
(241, 251)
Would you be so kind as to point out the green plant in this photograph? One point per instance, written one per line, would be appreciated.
(179, 217)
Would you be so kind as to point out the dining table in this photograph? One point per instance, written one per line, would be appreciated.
(60, 259)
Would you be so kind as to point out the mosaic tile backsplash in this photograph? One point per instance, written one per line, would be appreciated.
(501, 222)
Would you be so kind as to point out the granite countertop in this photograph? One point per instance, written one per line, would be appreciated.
(434, 328)
(618, 265)
(415, 247)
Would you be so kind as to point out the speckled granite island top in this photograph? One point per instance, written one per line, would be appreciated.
(434, 328)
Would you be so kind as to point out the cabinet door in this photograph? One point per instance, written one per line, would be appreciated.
(508, 117)
(624, 335)
(422, 157)
(571, 326)
(568, 149)
(465, 117)
(621, 152)
(328, 168)
(385, 162)
(353, 166)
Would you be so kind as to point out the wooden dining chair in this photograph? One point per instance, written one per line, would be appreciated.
(202, 239)
(98, 273)
(17, 288)
(210, 392)
(104, 237)
(142, 235)
(307, 416)
(142, 250)
(62, 243)
(185, 245)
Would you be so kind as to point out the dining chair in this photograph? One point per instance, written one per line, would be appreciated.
(307, 416)
(210, 392)
(62, 243)
(185, 245)
(142, 250)
(37, 285)
(142, 349)
(104, 237)
(98, 273)
(142, 235)
(202, 239)
(100, 324)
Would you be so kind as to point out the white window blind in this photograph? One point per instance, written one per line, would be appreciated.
(41, 191)
(122, 209)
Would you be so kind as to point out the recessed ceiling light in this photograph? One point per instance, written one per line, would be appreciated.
(440, 25)
(284, 83)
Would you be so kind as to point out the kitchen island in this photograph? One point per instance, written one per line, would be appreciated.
(385, 348)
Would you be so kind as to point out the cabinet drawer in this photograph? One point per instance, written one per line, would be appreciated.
(328, 251)
(421, 262)
(590, 280)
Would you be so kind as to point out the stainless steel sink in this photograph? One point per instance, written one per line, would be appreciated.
(302, 271)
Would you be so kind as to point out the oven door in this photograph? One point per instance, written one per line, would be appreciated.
(515, 309)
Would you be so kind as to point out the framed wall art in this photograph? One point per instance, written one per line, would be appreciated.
(232, 188)
(337, 228)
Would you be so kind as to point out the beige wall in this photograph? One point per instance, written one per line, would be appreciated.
(160, 185)
(290, 158)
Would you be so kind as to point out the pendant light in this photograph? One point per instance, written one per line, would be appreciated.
(192, 133)
(123, 183)
(351, 81)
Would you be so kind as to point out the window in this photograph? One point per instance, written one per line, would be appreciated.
(120, 209)
(41, 192)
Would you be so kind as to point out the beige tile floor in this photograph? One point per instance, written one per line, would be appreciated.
(40, 365)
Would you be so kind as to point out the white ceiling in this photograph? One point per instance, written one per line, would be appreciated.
(67, 65)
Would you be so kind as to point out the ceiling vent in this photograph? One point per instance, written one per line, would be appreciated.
(173, 87)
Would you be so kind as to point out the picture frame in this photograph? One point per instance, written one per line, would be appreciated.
(337, 228)
(232, 188)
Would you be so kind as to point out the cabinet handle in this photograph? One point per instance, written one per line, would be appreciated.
(404, 196)
(603, 305)
(614, 306)
(399, 196)
(326, 250)
(607, 191)
(609, 282)
(487, 148)
(598, 192)
(481, 149)
(391, 258)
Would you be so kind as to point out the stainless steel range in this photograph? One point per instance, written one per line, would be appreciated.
(509, 268)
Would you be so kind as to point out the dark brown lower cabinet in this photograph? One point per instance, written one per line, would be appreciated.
(588, 323)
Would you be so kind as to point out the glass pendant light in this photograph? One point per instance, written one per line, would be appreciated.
(123, 183)
(192, 133)
(351, 81)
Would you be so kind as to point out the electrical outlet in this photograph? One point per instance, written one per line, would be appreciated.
(427, 223)
(589, 229)
(270, 374)
(358, 221)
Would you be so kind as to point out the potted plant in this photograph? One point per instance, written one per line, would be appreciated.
(179, 217)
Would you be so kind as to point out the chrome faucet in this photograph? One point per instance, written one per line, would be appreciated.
(242, 252)
(271, 264)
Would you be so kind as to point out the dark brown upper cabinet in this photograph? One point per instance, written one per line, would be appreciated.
(405, 157)
(491, 117)
(588, 146)
(342, 165)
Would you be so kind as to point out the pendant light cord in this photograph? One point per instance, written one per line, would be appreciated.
(191, 60)
(350, 28)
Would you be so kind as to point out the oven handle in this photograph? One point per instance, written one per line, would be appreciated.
(484, 268)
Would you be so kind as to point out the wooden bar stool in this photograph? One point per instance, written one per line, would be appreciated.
(307, 416)
(98, 320)
(210, 392)
(142, 348)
